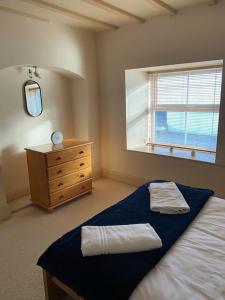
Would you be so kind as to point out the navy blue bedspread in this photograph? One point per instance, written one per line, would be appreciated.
(114, 277)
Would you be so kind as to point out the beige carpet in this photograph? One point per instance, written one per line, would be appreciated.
(31, 230)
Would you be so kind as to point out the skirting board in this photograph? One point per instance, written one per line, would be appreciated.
(18, 194)
(97, 174)
(4, 212)
(125, 178)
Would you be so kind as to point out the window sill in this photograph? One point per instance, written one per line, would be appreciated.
(177, 153)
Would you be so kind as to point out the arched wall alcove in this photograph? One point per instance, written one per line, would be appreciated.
(64, 101)
(26, 41)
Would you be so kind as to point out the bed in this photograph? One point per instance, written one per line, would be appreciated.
(192, 267)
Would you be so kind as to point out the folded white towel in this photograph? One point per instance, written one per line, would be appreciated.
(96, 240)
(166, 198)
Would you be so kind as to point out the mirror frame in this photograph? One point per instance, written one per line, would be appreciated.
(25, 98)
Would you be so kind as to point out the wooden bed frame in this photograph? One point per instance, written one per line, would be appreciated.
(56, 290)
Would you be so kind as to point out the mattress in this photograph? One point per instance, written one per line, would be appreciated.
(194, 268)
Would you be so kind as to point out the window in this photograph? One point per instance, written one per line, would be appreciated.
(184, 108)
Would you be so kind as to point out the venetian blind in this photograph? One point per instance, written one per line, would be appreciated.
(185, 107)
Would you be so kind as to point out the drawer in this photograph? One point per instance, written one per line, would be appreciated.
(59, 157)
(70, 192)
(68, 180)
(69, 167)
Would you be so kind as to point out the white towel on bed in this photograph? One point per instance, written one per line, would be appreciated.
(96, 240)
(166, 198)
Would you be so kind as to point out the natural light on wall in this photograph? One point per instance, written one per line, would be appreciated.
(174, 110)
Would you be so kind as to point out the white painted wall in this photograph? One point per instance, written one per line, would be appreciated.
(190, 36)
(26, 41)
(136, 108)
(19, 130)
(29, 41)
(4, 208)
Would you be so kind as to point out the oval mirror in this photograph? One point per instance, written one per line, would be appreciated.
(33, 98)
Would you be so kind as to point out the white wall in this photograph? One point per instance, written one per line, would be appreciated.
(19, 130)
(26, 41)
(190, 36)
(136, 108)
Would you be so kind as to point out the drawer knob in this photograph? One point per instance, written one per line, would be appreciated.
(82, 175)
(83, 187)
(81, 152)
(81, 164)
(61, 197)
(58, 158)
(60, 184)
(59, 172)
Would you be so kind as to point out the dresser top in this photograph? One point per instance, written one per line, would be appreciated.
(67, 144)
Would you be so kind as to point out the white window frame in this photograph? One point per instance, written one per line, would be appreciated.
(153, 107)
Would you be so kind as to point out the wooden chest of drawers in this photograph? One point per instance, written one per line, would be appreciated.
(59, 173)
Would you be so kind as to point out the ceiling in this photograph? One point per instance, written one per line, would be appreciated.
(98, 15)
